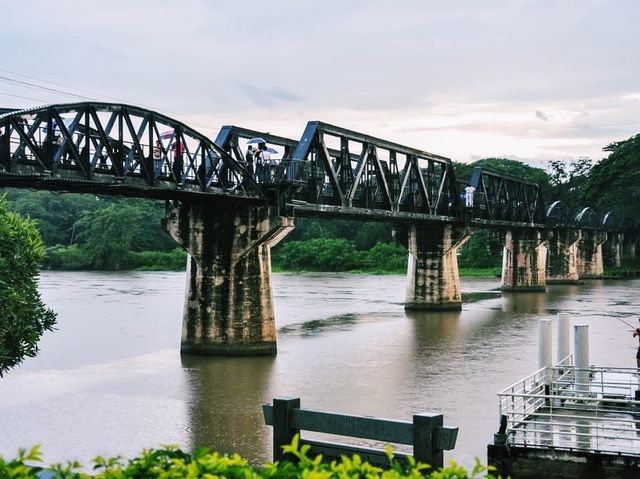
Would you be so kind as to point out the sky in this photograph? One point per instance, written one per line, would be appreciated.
(530, 80)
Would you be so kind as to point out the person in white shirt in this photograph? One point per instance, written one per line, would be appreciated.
(468, 195)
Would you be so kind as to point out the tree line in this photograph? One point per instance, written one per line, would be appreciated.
(106, 233)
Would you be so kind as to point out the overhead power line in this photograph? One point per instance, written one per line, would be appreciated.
(83, 97)
(23, 97)
(60, 92)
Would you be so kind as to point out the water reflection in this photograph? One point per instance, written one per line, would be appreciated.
(224, 408)
(110, 380)
(530, 302)
(314, 327)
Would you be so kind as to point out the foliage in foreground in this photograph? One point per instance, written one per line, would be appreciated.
(173, 463)
(23, 315)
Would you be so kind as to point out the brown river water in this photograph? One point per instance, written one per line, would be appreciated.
(111, 380)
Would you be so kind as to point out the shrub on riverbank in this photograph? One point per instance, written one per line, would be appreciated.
(74, 258)
(172, 463)
(337, 254)
(23, 315)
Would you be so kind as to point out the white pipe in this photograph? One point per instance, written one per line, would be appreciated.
(545, 358)
(564, 336)
(581, 356)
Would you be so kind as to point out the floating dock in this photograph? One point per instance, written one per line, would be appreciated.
(569, 421)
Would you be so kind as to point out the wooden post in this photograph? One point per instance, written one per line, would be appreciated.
(425, 439)
(283, 433)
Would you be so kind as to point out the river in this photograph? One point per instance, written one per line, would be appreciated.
(111, 381)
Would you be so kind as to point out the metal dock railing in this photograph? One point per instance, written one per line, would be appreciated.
(564, 407)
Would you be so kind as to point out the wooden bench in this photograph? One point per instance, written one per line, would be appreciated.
(426, 433)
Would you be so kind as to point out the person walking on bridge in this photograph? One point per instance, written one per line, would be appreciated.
(468, 195)
(248, 158)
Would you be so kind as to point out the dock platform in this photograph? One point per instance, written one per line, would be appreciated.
(567, 422)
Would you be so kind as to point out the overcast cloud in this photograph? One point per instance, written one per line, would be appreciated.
(531, 80)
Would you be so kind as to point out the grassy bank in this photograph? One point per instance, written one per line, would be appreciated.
(314, 257)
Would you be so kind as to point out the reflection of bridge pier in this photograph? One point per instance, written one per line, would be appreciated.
(523, 260)
(224, 411)
(229, 303)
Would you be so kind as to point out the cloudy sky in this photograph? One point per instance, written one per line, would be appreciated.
(523, 79)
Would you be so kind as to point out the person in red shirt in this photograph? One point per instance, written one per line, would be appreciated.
(637, 333)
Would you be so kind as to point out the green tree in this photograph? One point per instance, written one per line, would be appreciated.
(483, 250)
(23, 315)
(55, 212)
(108, 235)
(567, 181)
(613, 182)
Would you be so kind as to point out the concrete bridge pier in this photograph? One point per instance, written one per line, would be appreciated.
(613, 249)
(590, 262)
(630, 247)
(523, 260)
(562, 256)
(229, 303)
(433, 282)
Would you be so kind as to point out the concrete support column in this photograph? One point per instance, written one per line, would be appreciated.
(613, 249)
(562, 256)
(629, 247)
(523, 260)
(229, 303)
(433, 282)
(590, 263)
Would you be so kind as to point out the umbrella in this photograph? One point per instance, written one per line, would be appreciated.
(273, 151)
(67, 122)
(165, 135)
(255, 140)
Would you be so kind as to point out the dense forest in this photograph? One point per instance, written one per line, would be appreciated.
(105, 233)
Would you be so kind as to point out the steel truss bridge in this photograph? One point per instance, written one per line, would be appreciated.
(118, 149)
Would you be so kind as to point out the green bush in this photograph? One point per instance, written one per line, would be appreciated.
(72, 258)
(175, 260)
(66, 258)
(172, 463)
(23, 315)
(387, 257)
(320, 254)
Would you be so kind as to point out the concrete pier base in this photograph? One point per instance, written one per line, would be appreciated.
(562, 256)
(590, 263)
(229, 303)
(523, 261)
(433, 282)
(531, 462)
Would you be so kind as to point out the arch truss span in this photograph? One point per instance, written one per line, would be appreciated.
(340, 171)
(502, 198)
(115, 149)
(588, 218)
(558, 215)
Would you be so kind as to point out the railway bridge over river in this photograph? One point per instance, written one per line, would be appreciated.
(228, 218)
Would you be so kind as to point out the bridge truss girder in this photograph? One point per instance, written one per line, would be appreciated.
(347, 170)
(116, 149)
(504, 198)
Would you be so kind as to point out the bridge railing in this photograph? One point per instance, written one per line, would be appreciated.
(549, 409)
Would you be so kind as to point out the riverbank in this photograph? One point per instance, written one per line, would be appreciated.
(72, 258)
